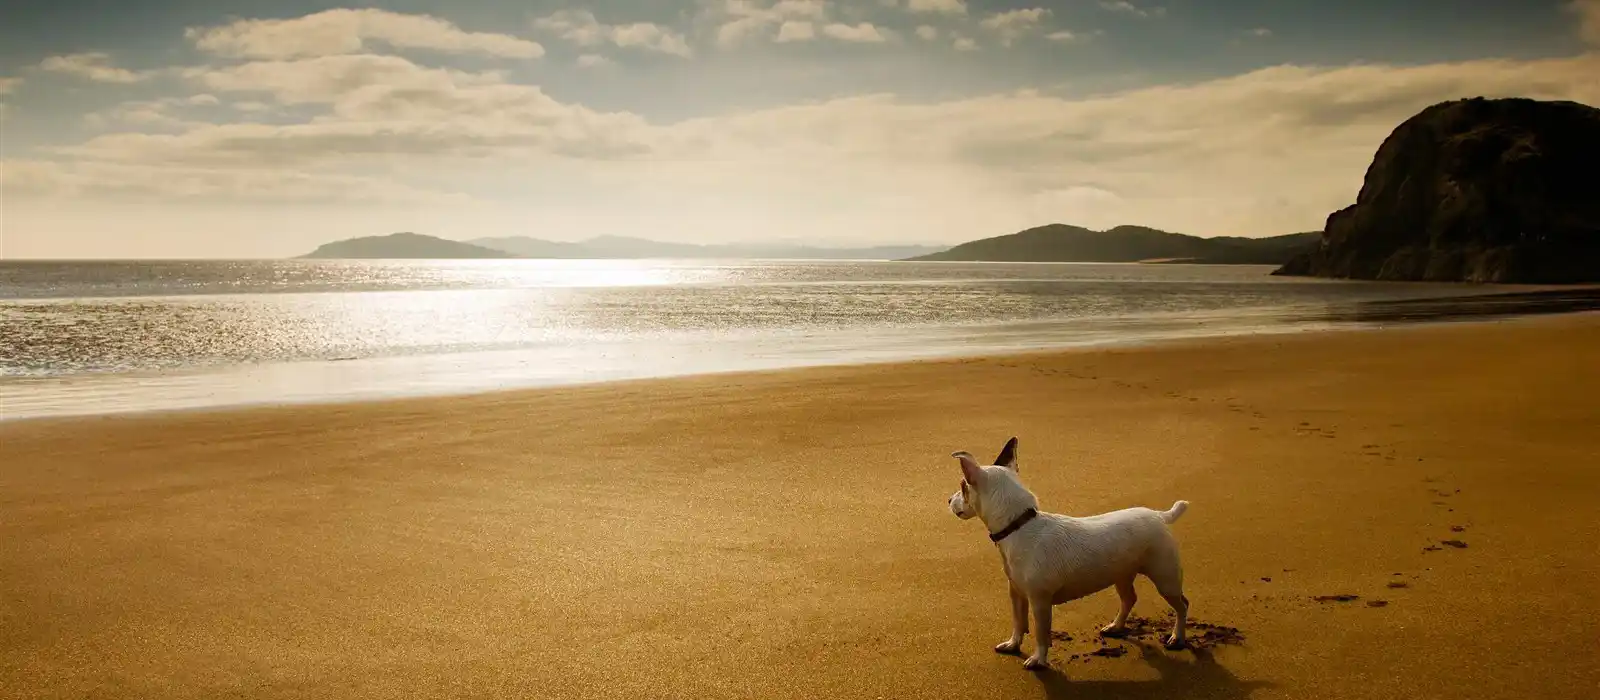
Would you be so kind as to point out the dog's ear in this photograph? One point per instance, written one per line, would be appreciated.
(969, 467)
(1008, 456)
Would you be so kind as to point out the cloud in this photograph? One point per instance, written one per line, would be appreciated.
(793, 30)
(942, 7)
(1259, 32)
(159, 113)
(1269, 151)
(742, 20)
(92, 66)
(1128, 8)
(928, 33)
(1588, 12)
(46, 179)
(864, 32)
(962, 43)
(7, 86)
(1013, 24)
(593, 60)
(330, 78)
(348, 31)
(582, 28)
(1272, 150)
(379, 107)
(1062, 35)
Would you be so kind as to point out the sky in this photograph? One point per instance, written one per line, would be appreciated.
(256, 128)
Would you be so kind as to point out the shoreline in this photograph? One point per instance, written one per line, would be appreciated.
(784, 534)
(1364, 316)
(843, 363)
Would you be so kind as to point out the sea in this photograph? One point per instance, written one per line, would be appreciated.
(82, 338)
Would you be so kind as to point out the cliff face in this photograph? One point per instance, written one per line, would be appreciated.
(1478, 191)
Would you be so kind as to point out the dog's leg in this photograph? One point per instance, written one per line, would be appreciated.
(1180, 607)
(1019, 624)
(1168, 578)
(1040, 660)
(1119, 626)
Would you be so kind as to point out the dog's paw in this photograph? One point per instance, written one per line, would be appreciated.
(1114, 631)
(1036, 663)
(1173, 643)
(1008, 647)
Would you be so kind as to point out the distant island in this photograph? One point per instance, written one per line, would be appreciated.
(1053, 243)
(1125, 244)
(403, 246)
(629, 247)
(1478, 190)
(414, 245)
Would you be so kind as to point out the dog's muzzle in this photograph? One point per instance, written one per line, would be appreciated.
(958, 506)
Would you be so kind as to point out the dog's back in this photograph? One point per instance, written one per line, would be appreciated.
(1081, 556)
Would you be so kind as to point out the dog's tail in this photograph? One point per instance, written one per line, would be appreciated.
(1172, 514)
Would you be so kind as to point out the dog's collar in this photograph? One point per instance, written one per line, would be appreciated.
(1014, 526)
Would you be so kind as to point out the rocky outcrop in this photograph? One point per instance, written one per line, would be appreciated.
(1474, 190)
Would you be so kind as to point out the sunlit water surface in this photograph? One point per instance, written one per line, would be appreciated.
(123, 336)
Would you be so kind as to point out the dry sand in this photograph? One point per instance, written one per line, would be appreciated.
(784, 535)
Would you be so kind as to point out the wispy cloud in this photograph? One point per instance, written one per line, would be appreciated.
(347, 31)
(1012, 25)
(162, 113)
(739, 21)
(582, 28)
(941, 7)
(928, 33)
(1130, 9)
(93, 66)
(864, 32)
(796, 30)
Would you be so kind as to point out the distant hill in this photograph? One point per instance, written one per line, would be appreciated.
(403, 245)
(1063, 243)
(413, 245)
(629, 247)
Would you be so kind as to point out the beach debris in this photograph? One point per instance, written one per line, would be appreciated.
(1432, 548)
(1204, 635)
(1458, 528)
(1266, 579)
(1458, 544)
(1340, 598)
(1377, 603)
(1399, 584)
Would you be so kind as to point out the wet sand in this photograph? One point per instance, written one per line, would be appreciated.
(1404, 513)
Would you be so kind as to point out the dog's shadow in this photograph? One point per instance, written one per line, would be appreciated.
(1201, 678)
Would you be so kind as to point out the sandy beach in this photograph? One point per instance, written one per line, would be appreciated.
(784, 534)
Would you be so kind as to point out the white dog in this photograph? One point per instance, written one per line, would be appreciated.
(1051, 559)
